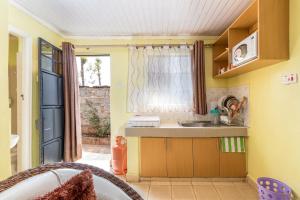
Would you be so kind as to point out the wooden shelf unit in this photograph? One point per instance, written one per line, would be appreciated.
(222, 57)
(270, 18)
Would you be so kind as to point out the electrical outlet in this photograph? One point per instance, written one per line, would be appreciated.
(291, 78)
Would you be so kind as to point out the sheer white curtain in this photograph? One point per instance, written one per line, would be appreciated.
(160, 79)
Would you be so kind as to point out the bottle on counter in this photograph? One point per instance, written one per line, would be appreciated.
(215, 113)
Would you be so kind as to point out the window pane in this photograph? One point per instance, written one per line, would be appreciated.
(160, 80)
(46, 63)
(46, 49)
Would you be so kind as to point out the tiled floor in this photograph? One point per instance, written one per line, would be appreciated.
(96, 155)
(14, 160)
(189, 189)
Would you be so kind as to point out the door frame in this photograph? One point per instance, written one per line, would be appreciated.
(26, 126)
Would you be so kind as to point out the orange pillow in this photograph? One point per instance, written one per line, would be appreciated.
(79, 187)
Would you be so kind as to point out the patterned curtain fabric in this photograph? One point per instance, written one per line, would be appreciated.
(160, 79)
(198, 66)
(72, 139)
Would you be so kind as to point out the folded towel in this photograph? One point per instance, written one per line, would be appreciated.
(233, 144)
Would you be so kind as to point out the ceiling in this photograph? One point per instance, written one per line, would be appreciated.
(135, 17)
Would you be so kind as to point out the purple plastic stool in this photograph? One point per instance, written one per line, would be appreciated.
(272, 189)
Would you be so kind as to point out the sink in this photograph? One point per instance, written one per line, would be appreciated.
(197, 124)
(14, 138)
(200, 124)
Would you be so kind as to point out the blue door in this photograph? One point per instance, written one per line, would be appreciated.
(51, 103)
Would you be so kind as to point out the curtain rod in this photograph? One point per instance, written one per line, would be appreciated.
(134, 45)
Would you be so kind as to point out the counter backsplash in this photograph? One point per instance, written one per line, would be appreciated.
(213, 95)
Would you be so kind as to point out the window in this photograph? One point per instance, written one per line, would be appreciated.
(160, 80)
(93, 70)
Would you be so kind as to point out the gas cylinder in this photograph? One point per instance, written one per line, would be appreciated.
(119, 156)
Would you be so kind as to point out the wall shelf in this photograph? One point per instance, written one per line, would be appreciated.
(270, 18)
(223, 39)
(237, 70)
(222, 57)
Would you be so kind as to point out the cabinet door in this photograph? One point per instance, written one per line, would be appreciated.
(206, 157)
(153, 157)
(180, 157)
(233, 165)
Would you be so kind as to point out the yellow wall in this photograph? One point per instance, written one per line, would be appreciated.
(29, 25)
(274, 115)
(4, 110)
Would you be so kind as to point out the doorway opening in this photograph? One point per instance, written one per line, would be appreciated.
(94, 87)
(14, 85)
(20, 98)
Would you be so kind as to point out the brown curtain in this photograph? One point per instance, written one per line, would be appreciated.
(198, 68)
(72, 145)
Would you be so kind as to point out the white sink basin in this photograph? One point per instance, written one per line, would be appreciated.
(13, 140)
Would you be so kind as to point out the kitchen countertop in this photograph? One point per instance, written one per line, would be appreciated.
(176, 130)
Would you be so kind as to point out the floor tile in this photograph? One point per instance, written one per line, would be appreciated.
(14, 160)
(159, 192)
(144, 183)
(247, 191)
(242, 184)
(206, 192)
(223, 184)
(228, 179)
(182, 192)
(142, 189)
(180, 179)
(201, 179)
(160, 181)
(181, 183)
(228, 191)
(145, 178)
(96, 155)
(202, 183)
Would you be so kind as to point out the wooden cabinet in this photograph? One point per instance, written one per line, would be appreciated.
(162, 157)
(233, 165)
(180, 157)
(270, 18)
(188, 157)
(206, 157)
(153, 157)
